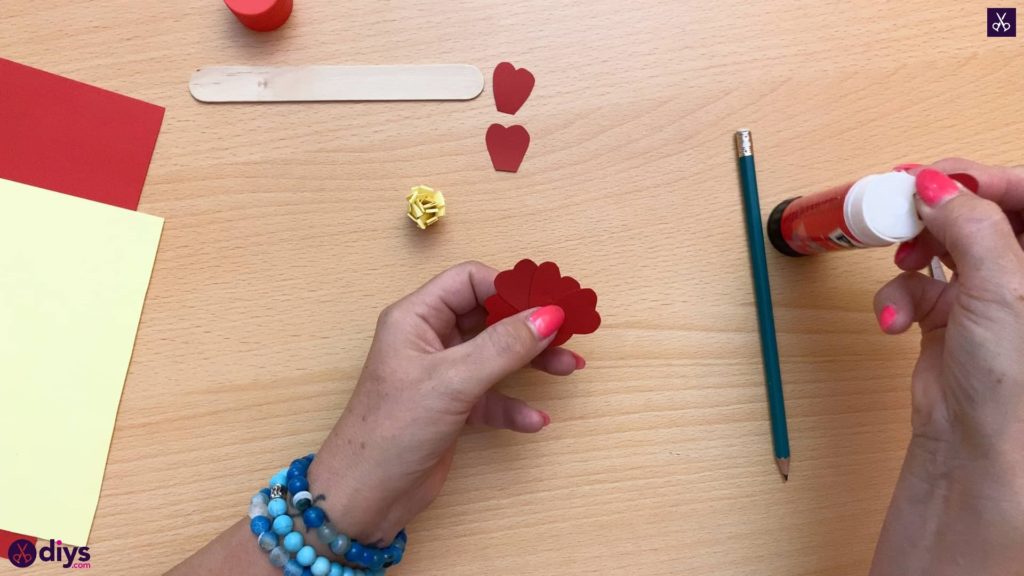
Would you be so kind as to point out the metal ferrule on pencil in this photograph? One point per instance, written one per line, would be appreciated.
(744, 145)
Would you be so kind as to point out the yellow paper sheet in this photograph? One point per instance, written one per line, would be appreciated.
(73, 277)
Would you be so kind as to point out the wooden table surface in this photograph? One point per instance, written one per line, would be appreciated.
(286, 234)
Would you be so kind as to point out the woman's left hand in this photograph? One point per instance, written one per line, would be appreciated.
(430, 371)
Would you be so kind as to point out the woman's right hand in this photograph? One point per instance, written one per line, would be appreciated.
(959, 504)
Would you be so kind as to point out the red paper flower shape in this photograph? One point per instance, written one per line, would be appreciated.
(528, 285)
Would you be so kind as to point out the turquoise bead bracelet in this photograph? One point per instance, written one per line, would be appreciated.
(273, 525)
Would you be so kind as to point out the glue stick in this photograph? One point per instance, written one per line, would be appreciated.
(877, 210)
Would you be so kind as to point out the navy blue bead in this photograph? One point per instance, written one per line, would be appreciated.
(313, 517)
(266, 491)
(259, 525)
(376, 561)
(309, 457)
(367, 558)
(307, 572)
(297, 484)
(355, 552)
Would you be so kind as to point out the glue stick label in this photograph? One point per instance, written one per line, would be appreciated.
(816, 223)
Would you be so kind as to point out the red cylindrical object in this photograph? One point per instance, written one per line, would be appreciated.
(877, 210)
(811, 224)
(261, 15)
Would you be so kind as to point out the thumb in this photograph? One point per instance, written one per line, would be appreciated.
(975, 231)
(503, 348)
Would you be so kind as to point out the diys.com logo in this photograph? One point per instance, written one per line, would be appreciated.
(24, 553)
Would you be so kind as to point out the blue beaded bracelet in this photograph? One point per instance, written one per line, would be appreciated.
(273, 526)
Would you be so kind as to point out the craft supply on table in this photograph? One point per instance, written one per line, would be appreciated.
(63, 135)
(877, 210)
(528, 285)
(336, 83)
(763, 298)
(261, 15)
(507, 146)
(511, 87)
(426, 206)
(75, 275)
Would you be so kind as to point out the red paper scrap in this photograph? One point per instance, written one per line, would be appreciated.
(528, 285)
(511, 87)
(70, 137)
(8, 538)
(507, 146)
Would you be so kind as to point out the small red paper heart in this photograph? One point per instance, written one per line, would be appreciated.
(498, 308)
(507, 146)
(581, 316)
(511, 87)
(514, 285)
(545, 283)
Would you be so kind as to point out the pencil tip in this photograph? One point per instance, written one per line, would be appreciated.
(783, 464)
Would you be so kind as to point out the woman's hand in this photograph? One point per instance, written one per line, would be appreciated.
(959, 504)
(429, 372)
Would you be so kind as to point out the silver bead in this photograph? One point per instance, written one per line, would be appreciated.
(277, 491)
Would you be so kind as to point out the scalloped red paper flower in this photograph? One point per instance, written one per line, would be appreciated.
(528, 285)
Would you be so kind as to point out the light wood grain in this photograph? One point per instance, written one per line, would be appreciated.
(285, 234)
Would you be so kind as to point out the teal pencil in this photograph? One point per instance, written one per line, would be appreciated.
(763, 297)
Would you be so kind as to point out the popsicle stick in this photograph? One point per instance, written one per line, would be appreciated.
(336, 83)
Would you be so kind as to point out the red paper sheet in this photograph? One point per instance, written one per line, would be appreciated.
(74, 138)
(8, 538)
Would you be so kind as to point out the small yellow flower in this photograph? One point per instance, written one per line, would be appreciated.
(426, 205)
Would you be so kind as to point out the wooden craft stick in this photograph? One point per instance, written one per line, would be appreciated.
(336, 83)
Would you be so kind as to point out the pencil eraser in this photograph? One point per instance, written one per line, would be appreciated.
(261, 15)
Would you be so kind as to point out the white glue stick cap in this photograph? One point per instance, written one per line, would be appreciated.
(880, 209)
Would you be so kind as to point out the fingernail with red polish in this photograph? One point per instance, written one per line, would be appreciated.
(546, 321)
(887, 317)
(544, 415)
(934, 187)
(904, 249)
(580, 362)
(905, 167)
(968, 181)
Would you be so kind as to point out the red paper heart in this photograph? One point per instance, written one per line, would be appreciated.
(511, 87)
(545, 283)
(514, 285)
(497, 307)
(528, 285)
(581, 316)
(507, 146)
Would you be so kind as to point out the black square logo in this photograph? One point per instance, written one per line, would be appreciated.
(1002, 22)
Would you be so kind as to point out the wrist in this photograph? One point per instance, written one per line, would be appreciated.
(952, 509)
(356, 503)
(959, 473)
